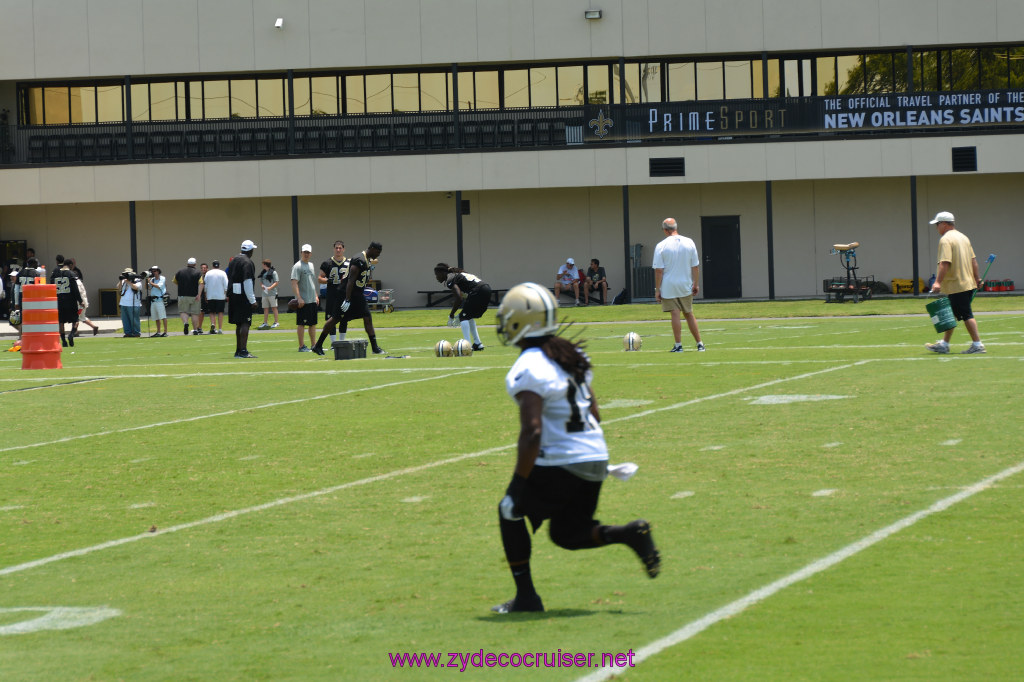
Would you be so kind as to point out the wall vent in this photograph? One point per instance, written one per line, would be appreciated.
(666, 168)
(965, 159)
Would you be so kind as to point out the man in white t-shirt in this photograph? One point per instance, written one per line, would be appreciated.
(215, 282)
(676, 276)
(568, 277)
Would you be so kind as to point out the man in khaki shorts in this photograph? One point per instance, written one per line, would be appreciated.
(189, 289)
(676, 276)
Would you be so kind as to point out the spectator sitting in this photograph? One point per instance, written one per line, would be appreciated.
(596, 280)
(568, 278)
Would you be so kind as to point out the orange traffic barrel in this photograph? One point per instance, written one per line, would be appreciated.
(40, 330)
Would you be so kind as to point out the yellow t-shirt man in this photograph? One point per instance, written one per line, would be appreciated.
(955, 249)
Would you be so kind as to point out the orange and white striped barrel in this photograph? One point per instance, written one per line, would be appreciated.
(40, 330)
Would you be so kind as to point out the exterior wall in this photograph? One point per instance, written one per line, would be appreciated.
(525, 234)
(148, 37)
(705, 164)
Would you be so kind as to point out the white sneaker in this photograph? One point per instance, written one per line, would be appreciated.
(938, 347)
(974, 348)
(275, 325)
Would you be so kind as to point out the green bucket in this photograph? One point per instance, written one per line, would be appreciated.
(941, 314)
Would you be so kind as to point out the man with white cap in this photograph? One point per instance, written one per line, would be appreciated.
(242, 297)
(957, 277)
(189, 288)
(157, 284)
(304, 286)
(569, 278)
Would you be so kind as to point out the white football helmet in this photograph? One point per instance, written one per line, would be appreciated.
(526, 311)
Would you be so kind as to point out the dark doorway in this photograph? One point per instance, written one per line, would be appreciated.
(720, 237)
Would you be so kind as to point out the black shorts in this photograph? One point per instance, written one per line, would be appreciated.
(556, 494)
(331, 301)
(357, 308)
(67, 313)
(960, 303)
(204, 305)
(216, 305)
(306, 316)
(239, 310)
(476, 302)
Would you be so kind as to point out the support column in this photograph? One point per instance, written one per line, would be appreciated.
(133, 236)
(295, 229)
(770, 224)
(458, 227)
(626, 248)
(913, 233)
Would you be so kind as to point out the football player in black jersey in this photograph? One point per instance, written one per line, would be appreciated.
(471, 293)
(333, 272)
(27, 275)
(353, 302)
(69, 299)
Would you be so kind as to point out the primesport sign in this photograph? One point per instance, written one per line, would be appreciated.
(716, 119)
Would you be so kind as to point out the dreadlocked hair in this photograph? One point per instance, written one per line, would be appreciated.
(568, 355)
(444, 267)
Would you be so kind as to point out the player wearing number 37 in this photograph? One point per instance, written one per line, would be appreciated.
(562, 458)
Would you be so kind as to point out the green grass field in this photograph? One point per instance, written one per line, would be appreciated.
(831, 500)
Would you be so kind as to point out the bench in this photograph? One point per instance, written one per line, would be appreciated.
(438, 297)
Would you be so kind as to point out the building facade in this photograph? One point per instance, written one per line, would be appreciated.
(509, 135)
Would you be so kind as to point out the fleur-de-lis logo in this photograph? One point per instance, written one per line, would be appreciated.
(601, 124)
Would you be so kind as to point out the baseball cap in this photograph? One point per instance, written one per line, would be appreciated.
(248, 245)
(942, 217)
(155, 267)
(570, 261)
(307, 247)
(191, 261)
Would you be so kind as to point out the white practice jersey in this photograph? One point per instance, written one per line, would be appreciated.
(569, 433)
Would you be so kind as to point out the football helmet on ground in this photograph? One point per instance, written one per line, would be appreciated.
(443, 349)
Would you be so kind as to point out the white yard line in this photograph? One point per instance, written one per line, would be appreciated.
(351, 484)
(729, 610)
(735, 391)
(214, 415)
(241, 512)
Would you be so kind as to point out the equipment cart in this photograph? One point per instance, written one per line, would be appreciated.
(382, 301)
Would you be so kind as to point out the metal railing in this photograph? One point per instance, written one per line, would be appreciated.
(594, 124)
(272, 137)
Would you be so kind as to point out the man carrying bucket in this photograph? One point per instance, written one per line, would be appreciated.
(957, 277)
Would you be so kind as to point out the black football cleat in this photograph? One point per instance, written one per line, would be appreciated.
(641, 542)
(317, 349)
(516, 605)
(478, 346)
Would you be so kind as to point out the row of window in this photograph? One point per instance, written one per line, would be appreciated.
(514, 88)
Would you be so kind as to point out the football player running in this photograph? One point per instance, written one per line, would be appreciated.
(562, 458)
(471, 293)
